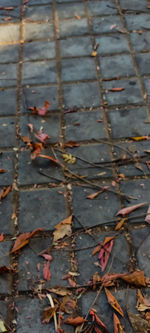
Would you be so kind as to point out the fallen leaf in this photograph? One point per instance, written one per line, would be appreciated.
(47, 257)
(61, 291)
(94, 54)
(136, 278)
(2, 326)
(1, 237)
(113, 302)
(128, 210)
(77, 17)
(147, 219)
(72, 282)
(48, 314)
(74, 321)
(5, 269)
(116, 89)
(40, 111)
(63, 229)
(96, 194)
(120, 224)
(105, 253)
(49, 158)
(97, 320)
(46, 271)
(42, 137)
(68, 305)
(140, 138)
(36, 149)
(2, 170)
(69, 158)
(4, 192)
(23, 239)
(117, 325)
(71, 144)
(139, 324)
(95, 279)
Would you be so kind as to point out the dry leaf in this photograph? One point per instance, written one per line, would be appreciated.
(120, 224)
(36, 149)
(140, 138)
(98, 321)
(94, 54)
(139, 324)
(113, 302)
(48, 314)
(105, 253)
(116, 89)
(5, 269)
(42, 137)
(147, 219)
(71, 144)
(117, 325)
(2, 326)
(2, 170)
(128, 210)
(61, 291)
(47, 256)
(136, 278)
(46, 271)
(72, 282)
(40, 111)
(49, 158)
(1, 237)
(63, 229)
(69, 158)
(23, 239)
(74, 321)
(96, 194)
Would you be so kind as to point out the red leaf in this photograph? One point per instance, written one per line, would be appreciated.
(47, 256)
(40, 111)
(46, 271)
(23, 239)
(128, 210)
(42, 137)
(2, 237)
(105, 253)
(74, 321)
(147, 219)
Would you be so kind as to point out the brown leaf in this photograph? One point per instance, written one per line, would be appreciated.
(96, 194)
(48, 314)
(136, 278)
(68, 304)
(95, 279)
(46, 271)
(71, 144)
(143, 303)
(23, 239)
(139, 324)
(128, 210)
(116, 89)
(113, 302)
(1, 237)
(2, 170)
(74, 321)
(5, 269)
(117, 325)
(63, 229)
(36, 149)
(61, 291)
(72, 282)
(120, 224)
(147, 219)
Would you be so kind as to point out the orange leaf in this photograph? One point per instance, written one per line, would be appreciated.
(140, 138)
(2, 237)
(72, 282)
(120, 224)
(2, 170)
(48, 314)
(23, 240)
(74, 321)
(97, 249)
(113, 302)
(95, 195)
(46, 271)
(136, 278)
(49, 158)
(116, 89)
(128, 210)
(35, 149)
(117, 325)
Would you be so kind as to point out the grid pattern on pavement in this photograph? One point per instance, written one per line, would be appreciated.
(45, 54)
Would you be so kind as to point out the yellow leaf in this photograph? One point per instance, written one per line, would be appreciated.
(69, 158)
(140, 138)
(2, 326)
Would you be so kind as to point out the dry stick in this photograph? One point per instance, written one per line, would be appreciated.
(98, 294)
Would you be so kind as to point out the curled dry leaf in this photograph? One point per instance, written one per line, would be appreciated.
(4, 192)
(46, 271)
(104, 253)
(116, 89)
(113, 302)
(74, 321)
(61, 291)
(1, 237)
(40, 111)
(117, 325)
(96, 194)
(71, 144)
(72, 282)
(47, 257)
(23, 239)
(147, 219)
(63, 229)
(48, 314)
(36, 149)
(136, 278)
(140, 138)
(49, 158)
(2, 170)
(97, 320)
(42, 137)
(128, 210)
(120, 224)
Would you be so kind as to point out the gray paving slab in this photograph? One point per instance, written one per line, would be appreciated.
(102, 7)
(73, 27)
(36, 96)
(106, 24)
(39, 50)
(34, 31)
(81, 95)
